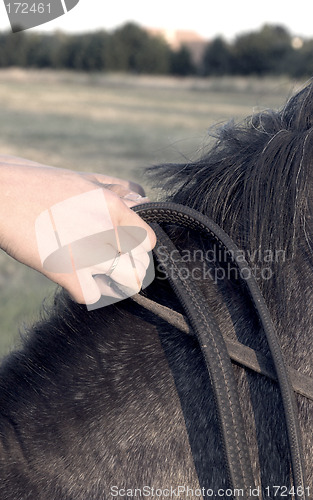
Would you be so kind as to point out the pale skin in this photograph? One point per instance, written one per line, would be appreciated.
(28, 188)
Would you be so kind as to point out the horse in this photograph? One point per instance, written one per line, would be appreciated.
(117, 402)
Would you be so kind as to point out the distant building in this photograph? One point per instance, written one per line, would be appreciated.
(179, 38)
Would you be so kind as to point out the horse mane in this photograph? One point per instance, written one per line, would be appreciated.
(255, 182)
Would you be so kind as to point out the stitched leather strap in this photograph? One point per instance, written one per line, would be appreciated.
(238, 353)
(170, 213)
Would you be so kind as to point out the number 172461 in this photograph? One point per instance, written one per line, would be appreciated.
(284, 491)
(28, 8)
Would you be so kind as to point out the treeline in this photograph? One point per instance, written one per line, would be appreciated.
(271, 50)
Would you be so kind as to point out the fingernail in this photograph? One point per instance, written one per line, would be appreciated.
(134, 197)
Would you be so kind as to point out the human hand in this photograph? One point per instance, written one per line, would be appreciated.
(29, 189)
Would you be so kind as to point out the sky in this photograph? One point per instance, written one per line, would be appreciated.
(220, 17)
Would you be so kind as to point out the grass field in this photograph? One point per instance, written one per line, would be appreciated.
(114, 124)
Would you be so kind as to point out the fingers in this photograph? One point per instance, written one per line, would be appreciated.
(131, 219)
(133, 199)
(97, 282)
(104, 284)
(128, 273)
(123, 216)
(84, 225)
(130, 198)
(89, 287)
(107, 180)
(137, 188)
(124, 262)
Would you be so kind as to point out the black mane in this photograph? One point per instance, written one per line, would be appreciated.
(256, 180)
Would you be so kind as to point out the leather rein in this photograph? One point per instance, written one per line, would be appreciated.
(238, 353)
(218, 352)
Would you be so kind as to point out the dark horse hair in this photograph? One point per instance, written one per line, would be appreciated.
(116, 403)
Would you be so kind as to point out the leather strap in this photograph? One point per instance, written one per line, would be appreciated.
(239, 353)
(170, 213)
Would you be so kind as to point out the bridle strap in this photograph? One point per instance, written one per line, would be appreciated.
(213, 346)
(219, 367)
(239, 353)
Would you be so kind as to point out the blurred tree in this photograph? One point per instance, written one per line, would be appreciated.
(263, 51)
(155, 59)
(72, 53)
(181, 62)
(3, 56)
(300, 61)
(94, 51)
(217, 58)
(42, 51)
(13, 49)
(138, 52)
